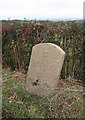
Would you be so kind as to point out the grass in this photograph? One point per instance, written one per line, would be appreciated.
(18, 103)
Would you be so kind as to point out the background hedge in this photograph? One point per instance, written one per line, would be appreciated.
(18, 38)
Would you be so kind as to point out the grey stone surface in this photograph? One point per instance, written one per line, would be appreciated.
(44, 69)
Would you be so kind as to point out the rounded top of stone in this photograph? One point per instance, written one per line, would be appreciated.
(52, 44)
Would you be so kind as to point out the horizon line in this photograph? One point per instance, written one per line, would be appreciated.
(53, 19)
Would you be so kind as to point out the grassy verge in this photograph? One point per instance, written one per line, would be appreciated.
(18, 103)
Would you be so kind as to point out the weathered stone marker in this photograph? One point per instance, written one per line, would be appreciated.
(44, 69)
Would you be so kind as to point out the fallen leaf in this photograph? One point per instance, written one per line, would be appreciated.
(19, 102)
(10, 101)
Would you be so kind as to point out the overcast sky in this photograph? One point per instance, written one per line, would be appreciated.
(41, 9)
